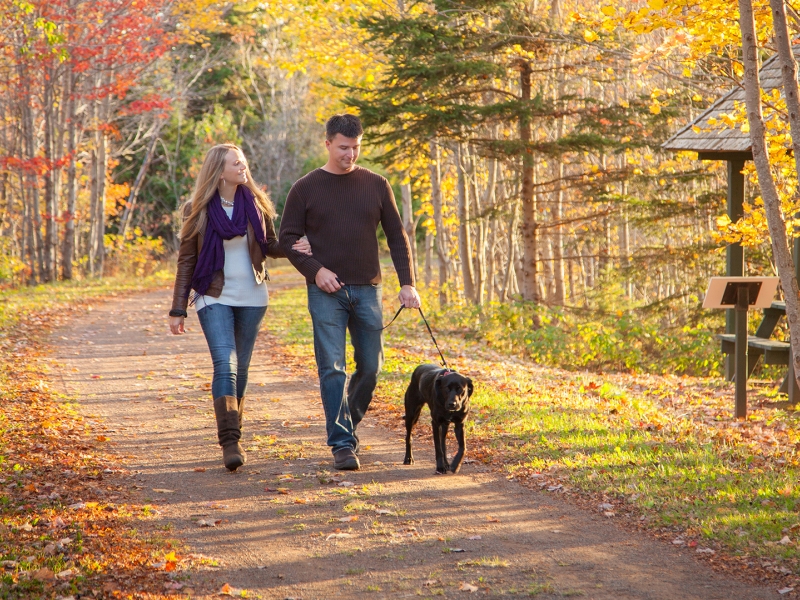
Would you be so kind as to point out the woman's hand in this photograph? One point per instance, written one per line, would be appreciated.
(176, 325)
(302, 246)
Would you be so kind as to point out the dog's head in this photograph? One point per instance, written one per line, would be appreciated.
(454, 389)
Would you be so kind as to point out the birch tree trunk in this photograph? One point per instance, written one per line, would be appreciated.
(442, 247)
(790, 90)
(464, 234)
(50, 240)
(769, 192)
(68, 243)
(409, 224)
(130, 205)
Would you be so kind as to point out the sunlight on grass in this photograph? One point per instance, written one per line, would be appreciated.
(595, 435)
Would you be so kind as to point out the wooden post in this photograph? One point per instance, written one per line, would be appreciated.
(742, 304)
(734, 253)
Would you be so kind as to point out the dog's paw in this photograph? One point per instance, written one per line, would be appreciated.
(408, 461)
(442, 470)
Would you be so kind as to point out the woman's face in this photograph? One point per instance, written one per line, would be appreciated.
(235, 170)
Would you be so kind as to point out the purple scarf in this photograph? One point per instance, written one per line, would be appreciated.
(219, 227)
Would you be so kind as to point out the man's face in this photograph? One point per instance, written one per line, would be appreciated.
(343, 151)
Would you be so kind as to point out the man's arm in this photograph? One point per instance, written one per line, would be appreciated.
(399, 248)
(293, 226)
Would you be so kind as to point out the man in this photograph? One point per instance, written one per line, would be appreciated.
(339, 207)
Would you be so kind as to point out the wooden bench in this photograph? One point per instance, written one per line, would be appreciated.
(773, 351)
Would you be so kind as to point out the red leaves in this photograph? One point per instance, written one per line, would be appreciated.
(149, 103)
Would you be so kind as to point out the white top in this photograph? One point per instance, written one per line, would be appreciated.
(240, 287)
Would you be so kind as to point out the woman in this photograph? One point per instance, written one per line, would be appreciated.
(226, 236)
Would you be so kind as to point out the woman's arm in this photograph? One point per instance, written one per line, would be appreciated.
(187, 259)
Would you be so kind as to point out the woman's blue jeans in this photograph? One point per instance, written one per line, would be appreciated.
(231, 335)
(356, 308)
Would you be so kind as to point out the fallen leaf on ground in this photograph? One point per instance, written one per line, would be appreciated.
(346, 483)
(338, 536)
(467, 587)
(493, 519)
(348, 519)
(705, 551)
(429, 583)
(205, 523)
(455, 550)
(198, 470)
(385, 511)
(477, 537)
(228, 590)
(785, 590)
(163, 491)
(44, 574)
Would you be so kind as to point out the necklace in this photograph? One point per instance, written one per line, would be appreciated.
(227, 203)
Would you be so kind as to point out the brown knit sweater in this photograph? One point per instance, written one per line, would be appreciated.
(340, 215)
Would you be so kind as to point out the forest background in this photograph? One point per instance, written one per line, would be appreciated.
(523, 140)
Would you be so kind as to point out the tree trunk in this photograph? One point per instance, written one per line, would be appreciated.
(99, 166)
(93, 206)
(68, 247)
(783, 257)
(137, 185)
(557, 211)
(511, 258)
(32, 185)
(442, 247)
(464, 234)
(491, 262)
(530, 287)
(428, 258)
(409, 224)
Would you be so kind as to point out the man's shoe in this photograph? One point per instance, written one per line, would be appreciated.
(345, 460)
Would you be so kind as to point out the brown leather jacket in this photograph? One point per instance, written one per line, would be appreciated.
(190, 250)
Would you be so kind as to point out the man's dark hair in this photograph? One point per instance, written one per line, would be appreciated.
(348, 125)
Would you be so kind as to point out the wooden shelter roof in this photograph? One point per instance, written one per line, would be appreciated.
(715, 142)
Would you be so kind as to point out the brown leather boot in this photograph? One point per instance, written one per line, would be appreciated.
(241, 411)
(226, 409)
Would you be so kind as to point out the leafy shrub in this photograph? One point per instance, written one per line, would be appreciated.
(629, 340)
(135, 255)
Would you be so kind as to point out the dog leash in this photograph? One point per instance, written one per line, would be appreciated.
(421, 314)
(397, 314)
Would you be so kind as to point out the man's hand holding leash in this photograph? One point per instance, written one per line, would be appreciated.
(409, 297)
(327, 281)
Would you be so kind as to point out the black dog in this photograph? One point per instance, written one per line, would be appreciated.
(447, 395)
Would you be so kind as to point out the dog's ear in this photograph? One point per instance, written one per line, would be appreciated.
(470, 389)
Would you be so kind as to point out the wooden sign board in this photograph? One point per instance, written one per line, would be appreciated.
(722, 291)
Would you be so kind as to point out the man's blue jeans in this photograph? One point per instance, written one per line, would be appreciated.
(231, 335)
(356, 308)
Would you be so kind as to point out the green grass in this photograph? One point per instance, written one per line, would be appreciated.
(18, 302)
(643, 443)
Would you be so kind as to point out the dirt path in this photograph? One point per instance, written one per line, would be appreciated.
(287, 526)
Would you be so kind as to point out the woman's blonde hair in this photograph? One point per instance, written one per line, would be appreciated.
(206, 185)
